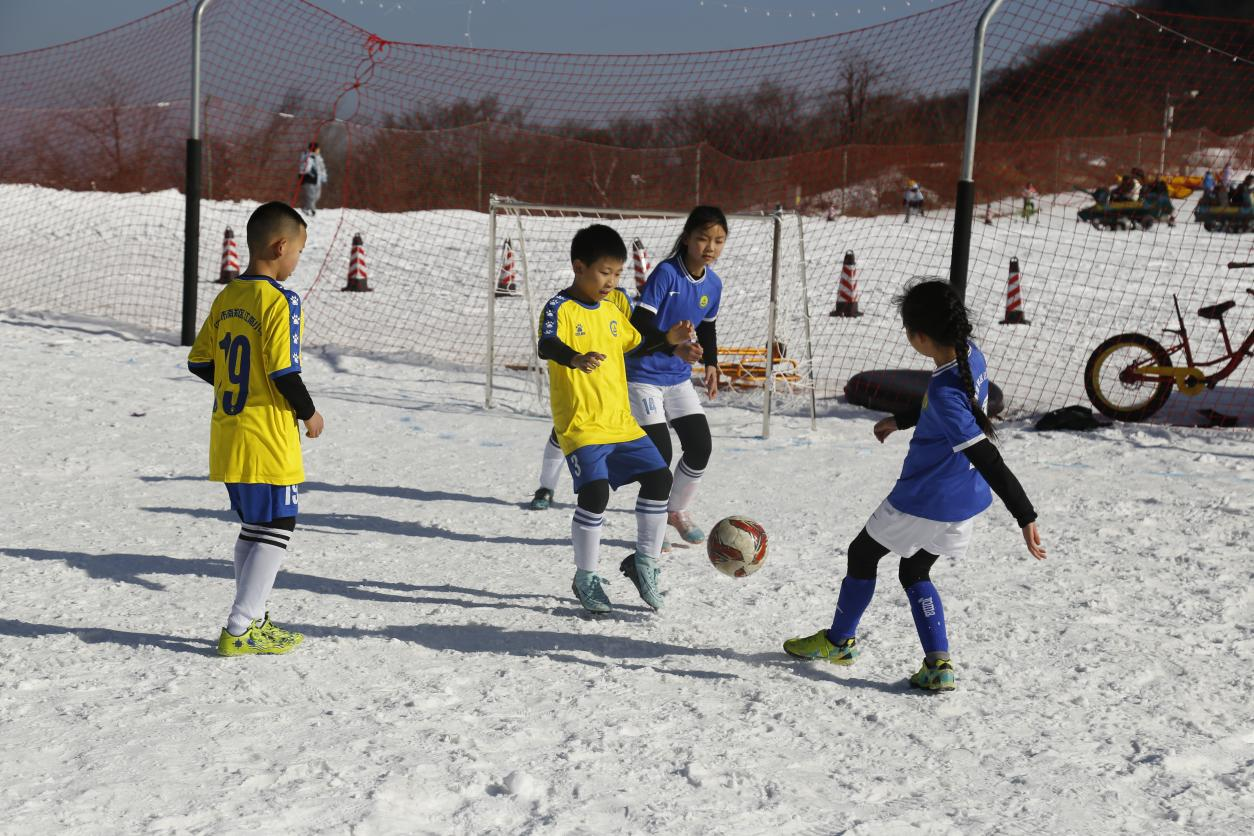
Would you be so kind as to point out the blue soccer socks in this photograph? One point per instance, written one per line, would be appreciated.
(929, 617)
(855, 597)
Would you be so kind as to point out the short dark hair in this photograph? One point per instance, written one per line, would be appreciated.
(272, 220)
(596, 242)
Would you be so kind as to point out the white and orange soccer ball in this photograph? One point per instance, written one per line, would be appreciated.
(737, 546)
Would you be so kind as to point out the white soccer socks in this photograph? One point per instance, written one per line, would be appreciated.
(684, 488)
(255, 577)
(551, 465)
(650, 526)
(585, 534)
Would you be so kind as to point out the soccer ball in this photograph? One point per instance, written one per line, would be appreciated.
(737, 546)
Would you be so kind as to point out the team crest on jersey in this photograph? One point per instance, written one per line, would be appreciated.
(579, 332)
(705, 300)
(614, 327)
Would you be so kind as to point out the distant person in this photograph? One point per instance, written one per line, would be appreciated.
(1209, 183)
(313, 175)
(1242, 196)
(1129, 189)
(913, 200)
(1030, 196)
(1227, 181)
(249, 350)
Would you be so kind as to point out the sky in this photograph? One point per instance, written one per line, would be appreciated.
(532, 25)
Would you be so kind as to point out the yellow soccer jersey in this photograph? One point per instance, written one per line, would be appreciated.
(591, 407)
(252, 336)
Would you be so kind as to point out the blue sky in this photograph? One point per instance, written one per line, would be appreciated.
(540, 25)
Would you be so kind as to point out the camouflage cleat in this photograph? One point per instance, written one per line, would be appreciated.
(935, 675)
(819, 646)
(542, 500)
(278, 634)
(253, 642)
(587, 588)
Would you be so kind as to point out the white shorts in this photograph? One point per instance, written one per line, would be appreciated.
(905, 534)
(652, 404)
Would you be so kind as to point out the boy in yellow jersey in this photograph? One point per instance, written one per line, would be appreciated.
(584, 341)
(552, 461)
(249, 349)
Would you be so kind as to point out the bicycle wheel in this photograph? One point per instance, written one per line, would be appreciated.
(1112, 389)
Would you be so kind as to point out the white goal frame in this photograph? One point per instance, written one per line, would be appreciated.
(505, 207)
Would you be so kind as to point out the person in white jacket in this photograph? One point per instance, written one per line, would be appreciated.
(313, 174)
(913, 200)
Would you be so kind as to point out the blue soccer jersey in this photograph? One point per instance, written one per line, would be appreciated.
(673, 295)
(937, 481)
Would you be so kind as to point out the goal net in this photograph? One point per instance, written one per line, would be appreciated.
(763, 321)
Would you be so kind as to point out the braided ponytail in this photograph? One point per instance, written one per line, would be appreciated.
(931, 307)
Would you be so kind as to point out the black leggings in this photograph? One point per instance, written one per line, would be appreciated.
(595, 496)
(694, 439)
(864, 557)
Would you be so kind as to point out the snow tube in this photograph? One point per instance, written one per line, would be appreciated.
(895, 390)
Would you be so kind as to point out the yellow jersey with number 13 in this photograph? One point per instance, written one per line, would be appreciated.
(251, 337)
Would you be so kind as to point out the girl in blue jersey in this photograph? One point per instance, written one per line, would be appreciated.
(950, 473)
(683, 286)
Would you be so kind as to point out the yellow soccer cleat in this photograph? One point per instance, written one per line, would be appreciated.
(819, 646)
(278, 634)
(935, 675)
(253, 642)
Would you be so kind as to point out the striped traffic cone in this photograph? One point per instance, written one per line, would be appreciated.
(507, 279)
(230, 258)
(357, 278)
(847, 296)
(639, 265)
(1014, 299)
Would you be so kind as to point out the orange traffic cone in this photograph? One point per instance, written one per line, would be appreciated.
(230, 259)
(357, 279)
(847, 296)
(1014, 299)
(639, 265)
(507, 279)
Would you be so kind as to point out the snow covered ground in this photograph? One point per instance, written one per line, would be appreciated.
(450, 684)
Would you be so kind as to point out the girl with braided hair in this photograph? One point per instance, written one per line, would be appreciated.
(950, 473)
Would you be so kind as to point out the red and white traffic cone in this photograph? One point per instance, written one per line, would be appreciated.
(1014, 298)
(507, 279)
(639, 265)
(357, 278)
(847, 295)
(230, 259)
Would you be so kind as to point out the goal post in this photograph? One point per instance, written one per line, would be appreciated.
(756, 331)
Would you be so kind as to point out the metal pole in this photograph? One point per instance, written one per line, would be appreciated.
(531, 312)
(1168, 113)
(964, 204)
(768, 385)
(698, 199)
(191, 191)
(805, 301)
(491, 359)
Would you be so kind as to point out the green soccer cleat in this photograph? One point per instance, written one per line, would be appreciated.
(542, 500)
(935, 675)
(278, 634)
(587, 588)
(819, 646)
(643, 571)
(253, 642)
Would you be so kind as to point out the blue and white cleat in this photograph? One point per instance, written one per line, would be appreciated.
(643, 571)
(682, 522)
(587, 588)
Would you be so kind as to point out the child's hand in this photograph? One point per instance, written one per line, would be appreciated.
(1032, 537)
(587, 362)
(314, 424)
(884, 428)
(681, 332)
(688, 352)
(711, 382)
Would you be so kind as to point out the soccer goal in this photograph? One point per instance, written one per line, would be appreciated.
(763, 323)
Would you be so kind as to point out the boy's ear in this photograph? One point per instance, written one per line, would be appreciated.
(577, 263)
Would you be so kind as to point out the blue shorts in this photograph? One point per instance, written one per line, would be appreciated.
(619, 463)
(257, 504)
